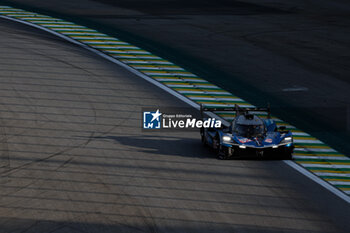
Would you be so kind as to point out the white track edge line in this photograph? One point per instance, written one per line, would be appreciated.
(318, 180)
(183, 98)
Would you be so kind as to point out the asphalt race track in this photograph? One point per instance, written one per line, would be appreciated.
(74, 158)
(292, 54)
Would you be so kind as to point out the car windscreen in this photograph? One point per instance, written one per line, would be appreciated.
(249, 130)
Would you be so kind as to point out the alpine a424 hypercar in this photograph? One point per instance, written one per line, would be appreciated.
(248, 135)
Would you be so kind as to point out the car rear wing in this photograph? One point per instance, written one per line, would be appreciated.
(238, 110)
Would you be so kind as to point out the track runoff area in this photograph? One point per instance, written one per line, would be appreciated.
(311, 157)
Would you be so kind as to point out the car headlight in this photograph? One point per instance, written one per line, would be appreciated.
(226, 138)
(287, 139)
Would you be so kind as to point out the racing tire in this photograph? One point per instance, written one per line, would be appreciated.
(221, 155)
(224, 153)
(217, 147)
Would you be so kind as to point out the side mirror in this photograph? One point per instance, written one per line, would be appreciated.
(282, 128)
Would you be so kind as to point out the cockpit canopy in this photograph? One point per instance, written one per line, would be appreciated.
(248, 126)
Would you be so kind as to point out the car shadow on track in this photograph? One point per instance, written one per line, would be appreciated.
(166, 145)
(171, 145)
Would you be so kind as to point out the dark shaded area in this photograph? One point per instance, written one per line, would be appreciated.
(169, 145)
(195, 7)
(174, 146)
(318, 117)
(33, 226)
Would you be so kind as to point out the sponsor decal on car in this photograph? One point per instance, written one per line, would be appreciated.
(244, 140)
(268, 140)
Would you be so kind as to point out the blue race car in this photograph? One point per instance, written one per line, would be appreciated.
(248, 135)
